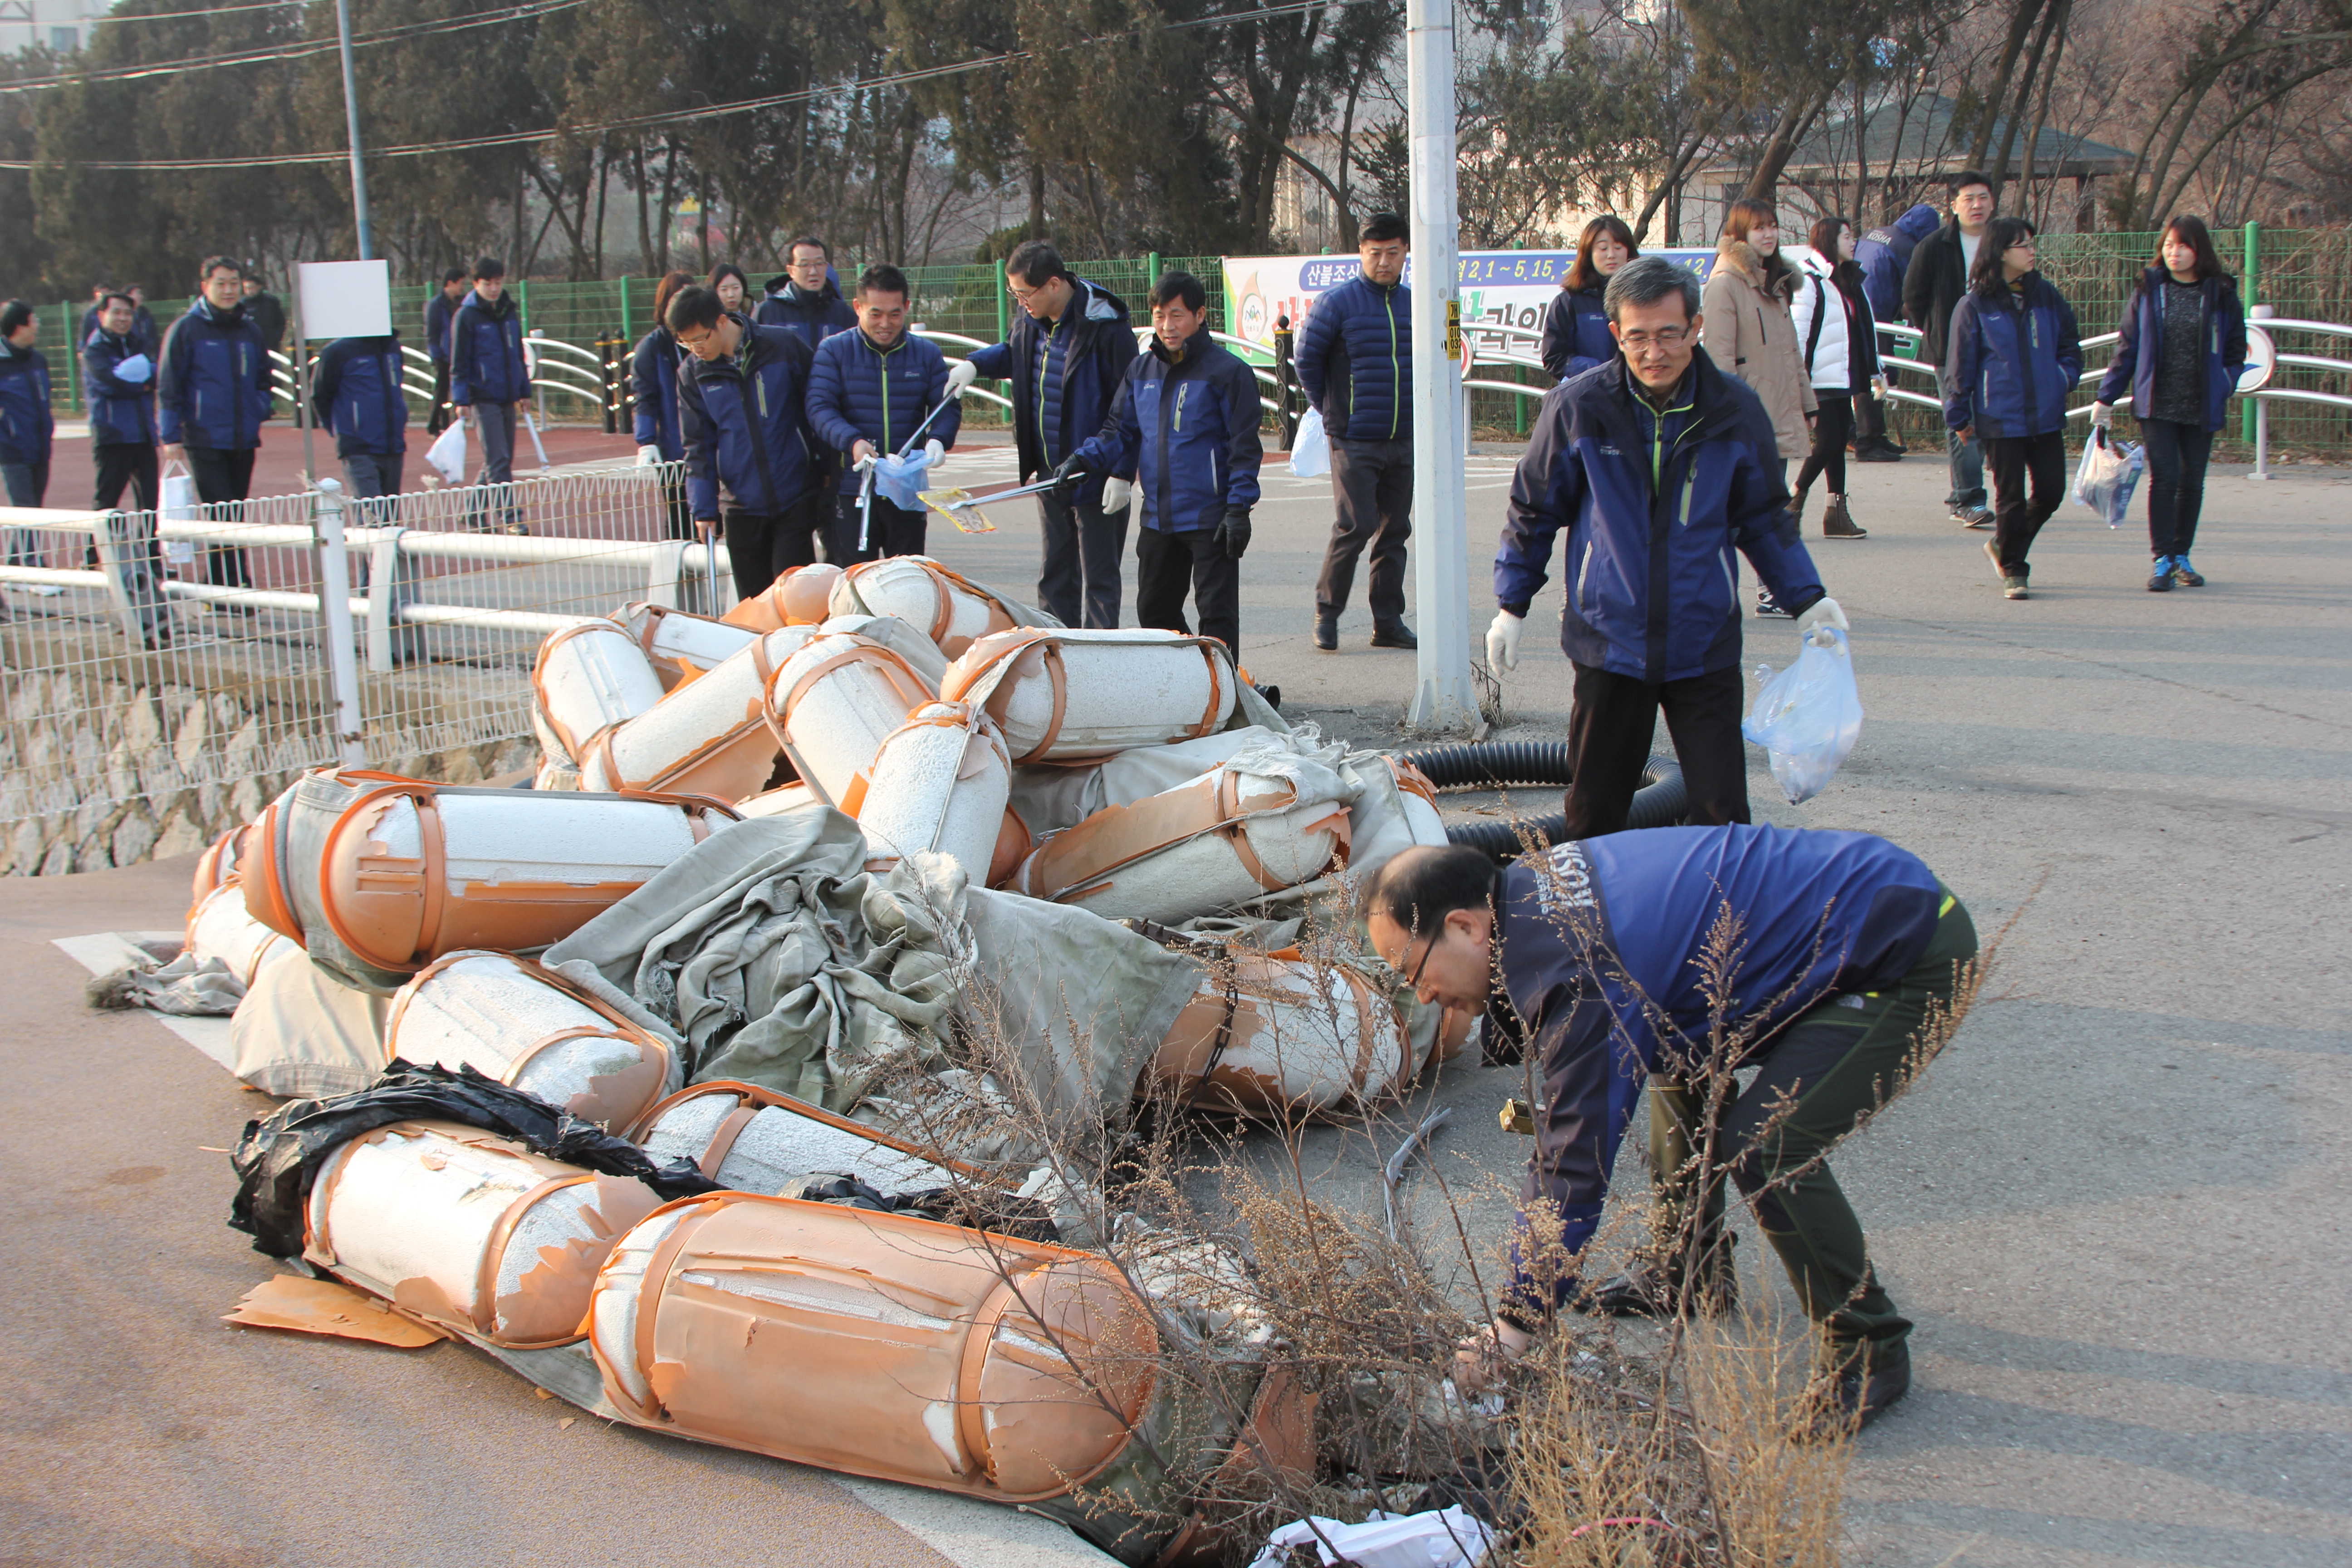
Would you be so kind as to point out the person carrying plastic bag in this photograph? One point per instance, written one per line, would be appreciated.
(1808, 716)
(1310, 448)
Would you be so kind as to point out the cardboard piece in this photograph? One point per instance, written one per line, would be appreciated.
(324, 1307)
(343, 299)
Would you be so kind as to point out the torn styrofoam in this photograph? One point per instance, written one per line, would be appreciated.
(755, 1140)
(939, 783)
(1447, 1538)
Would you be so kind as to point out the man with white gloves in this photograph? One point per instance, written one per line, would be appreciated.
(869, 391)
(1663, 470)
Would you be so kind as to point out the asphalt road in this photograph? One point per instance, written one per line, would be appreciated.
(2115, 1208)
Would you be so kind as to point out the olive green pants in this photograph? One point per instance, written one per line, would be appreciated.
(1817, 1081)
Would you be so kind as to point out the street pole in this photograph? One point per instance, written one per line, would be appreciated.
(1442, 697)
(351, 125)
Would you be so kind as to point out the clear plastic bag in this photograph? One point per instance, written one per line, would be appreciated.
(1808, 717)
(447, 455)
(1310, 448)
(2108, 476)
(900, 479)
(178, 503)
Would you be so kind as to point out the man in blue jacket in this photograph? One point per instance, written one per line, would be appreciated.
(439, 311)
(1185, 421)
(1663, 470)
(1885, 255)
(806, 301)
(868, 392)
(1066, 355)
(1846, 956)
(212, 394)
(1355, 360)
(120, 375)
(26, 428)
(489, 377)
(743, 405)
(355, 392)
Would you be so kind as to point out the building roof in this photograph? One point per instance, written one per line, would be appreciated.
(1928, 145)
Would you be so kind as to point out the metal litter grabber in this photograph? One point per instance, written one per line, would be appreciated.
(866, 492)
(955, 504)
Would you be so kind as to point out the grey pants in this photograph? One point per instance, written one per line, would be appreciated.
(1966, 460)
(494, 424)
(1086, 548)
(373, 477)
(1372, 481)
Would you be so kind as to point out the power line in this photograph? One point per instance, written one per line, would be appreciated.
(207, 11)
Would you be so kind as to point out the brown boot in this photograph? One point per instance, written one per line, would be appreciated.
(1797, 508)
(1837, 522)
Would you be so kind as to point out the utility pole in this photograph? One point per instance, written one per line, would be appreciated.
(351, 125)
(1442, 697)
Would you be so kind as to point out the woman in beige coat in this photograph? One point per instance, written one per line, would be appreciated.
(1749, 331)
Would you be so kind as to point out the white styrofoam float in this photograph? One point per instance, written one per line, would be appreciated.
(709, 736)
(1282, 1037)
(508, 1019)
(680, 644)
(949, 608)
(1059, 695)
(376, 876)
(1420, 797)
(921, 654)
(833, 704)
(940, 782)
(218, 864)
(587, 678)
(798, 598)
(465, 1229)
(221, 927)
(754, 1141)
(1228, 836)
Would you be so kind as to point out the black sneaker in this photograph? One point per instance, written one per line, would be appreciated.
(1398, 635)
(1651, 1289)
(1766, 604)
(1871, 1384)
(1326, 632)
(1877, 452)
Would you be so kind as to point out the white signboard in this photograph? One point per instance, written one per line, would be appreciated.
(1498, 287)
(344, 298)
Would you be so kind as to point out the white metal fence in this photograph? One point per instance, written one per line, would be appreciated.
(145, 656)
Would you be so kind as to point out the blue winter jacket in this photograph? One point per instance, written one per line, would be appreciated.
(1885, 255)
(653, 384)
(1355, 360)
(356, 393)
(858, 392)
(1575, 333)
(1653, 521)
(1186, 427)
(744, 421)
(2141, 347)
(122, 413)
(811, 318)
(27, 426)
(212, 383)
(1599, 954)
(2014, 357)
(1092, 344)
(439, 313)
(486, 360)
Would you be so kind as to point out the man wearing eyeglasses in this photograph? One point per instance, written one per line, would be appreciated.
(1664, 472)
(742, 393)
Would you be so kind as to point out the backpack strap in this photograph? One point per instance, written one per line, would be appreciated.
(1814, 334)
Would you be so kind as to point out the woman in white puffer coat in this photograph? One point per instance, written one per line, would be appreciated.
(1839, 343)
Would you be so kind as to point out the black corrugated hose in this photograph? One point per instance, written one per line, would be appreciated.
(1495, 764)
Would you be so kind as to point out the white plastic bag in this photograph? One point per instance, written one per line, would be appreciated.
(178, 499)
(1310, 449)
(2108, 476)
(447, 454)
(1454, 1538)
(1807, 716)
(899, 478)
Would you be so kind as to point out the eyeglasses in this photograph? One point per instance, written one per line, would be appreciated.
(1664, 337)
(1023, 296)
(1412, 981)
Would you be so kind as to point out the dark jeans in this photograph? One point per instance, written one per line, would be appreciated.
(1165, 564)
(2014, 460)
(1085, 550)
(26, 485)
(763, 546)
(438, 420)
(1832, 428)
(1967, 461)
(223, 481)
(2177, 455)
(889, 529)
(1818, 1081)
(125, 463)
(1372, 481)
(1609, 734)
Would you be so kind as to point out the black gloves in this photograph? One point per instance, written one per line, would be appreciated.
(1070, 475)
(1233, 533)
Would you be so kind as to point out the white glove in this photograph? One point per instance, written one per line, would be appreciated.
(649, 456)
(1117, 494)
(1816, 624)
(1503, 639)
(934, 454)
(961, 375)
(135, 370)
(2103, 414)
(1878, 388)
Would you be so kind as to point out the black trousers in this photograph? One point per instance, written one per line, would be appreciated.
(2177, 455)
(222, 479)
(1086, 549)
(889, 529)
(1869, 419)
(2013, 461)
(1165, 564)
(677, 512)
(121, 464)
(439, 420)
(1372, 481)
(1609, 734)
(763, 546)
(1832, 428)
